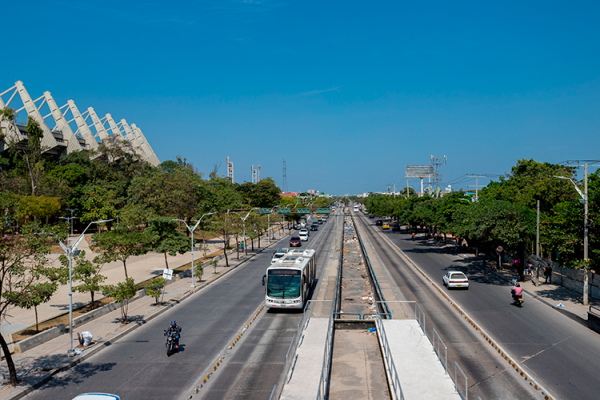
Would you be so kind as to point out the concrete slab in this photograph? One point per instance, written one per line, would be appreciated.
(358, 371)
(422, 375)
(303, 381)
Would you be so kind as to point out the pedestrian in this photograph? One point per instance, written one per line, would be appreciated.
(242, 247)
(456, 246)
(548, 273)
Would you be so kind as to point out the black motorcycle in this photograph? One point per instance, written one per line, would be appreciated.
(172, 343)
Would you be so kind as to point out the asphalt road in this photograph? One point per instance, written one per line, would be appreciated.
(257, 363)
(489, 375)
(563, 355)
(137, 367)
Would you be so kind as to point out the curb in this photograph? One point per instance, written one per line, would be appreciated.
(487, 337)
(172, 303)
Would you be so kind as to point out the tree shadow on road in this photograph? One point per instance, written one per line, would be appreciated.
(77, 375)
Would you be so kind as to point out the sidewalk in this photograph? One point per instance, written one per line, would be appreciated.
(37, 365)
(139, 268)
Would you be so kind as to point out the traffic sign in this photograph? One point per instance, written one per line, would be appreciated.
(323, 210)
(168, 274)
(303, 211)
(264, 211)
(284, 211)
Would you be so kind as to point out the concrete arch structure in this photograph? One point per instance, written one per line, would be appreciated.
(61, 139)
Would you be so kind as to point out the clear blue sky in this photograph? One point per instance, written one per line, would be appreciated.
(348, 92)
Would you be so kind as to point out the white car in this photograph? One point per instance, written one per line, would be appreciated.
(456, 279)
(303, 236)
(97, 396)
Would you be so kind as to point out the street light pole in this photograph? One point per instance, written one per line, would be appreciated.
(70, 250)
(584, 196)
(191, 230)
(244, 227)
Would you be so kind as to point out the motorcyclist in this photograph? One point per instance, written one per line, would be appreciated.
(517, 292)
(175, 330)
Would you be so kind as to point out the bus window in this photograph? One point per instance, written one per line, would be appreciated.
(283, 284)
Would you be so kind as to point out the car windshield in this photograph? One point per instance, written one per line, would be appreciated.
(459, 275)
(295, 238)
(283, 284)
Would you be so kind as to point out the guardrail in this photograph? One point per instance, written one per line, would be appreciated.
(456, 381)
(437, 350)
(373, 276)
(324, 379)
(395, 386)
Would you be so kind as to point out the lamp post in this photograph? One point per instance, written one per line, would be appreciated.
(584, 200)
(191, 230)
(71, 218)
(244, 227)
(269, 223)
(70, 250)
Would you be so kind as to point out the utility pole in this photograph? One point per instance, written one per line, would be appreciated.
(477, 183)
(537, 246)
(585, 236)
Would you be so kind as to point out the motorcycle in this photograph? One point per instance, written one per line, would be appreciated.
(517, 300)
(172, 343)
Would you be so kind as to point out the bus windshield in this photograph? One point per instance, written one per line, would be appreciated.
(283, 284)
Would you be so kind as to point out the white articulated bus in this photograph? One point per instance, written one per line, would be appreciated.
(289, 280)
(357, 207)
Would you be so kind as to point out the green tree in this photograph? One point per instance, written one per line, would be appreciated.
(38, 207)
(122, 292)
(155, 288)
(25, 272)
(86, 272)
(165, 238)
(120, 244)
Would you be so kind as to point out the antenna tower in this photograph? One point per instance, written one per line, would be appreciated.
(284, 187)
(259, 172)
(254, 178)
(438, 176)
(229, 170)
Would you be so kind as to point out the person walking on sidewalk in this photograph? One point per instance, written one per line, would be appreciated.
(548, 273)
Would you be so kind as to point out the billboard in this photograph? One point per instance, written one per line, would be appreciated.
(419, 171)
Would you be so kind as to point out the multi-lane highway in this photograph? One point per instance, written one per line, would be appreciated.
(559, 353)
(136, 367)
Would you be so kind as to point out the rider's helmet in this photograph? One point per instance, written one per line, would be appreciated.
(518, 285)
(173, 323)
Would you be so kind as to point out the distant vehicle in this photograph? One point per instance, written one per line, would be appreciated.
(303, 236)
(314, 227)
(456, 279)
(279, 254)
(385, 225)
(97, 396)
(304, 231)
(379, 222)
(357, 208)
(289, 281)
(295, 241)
(371, 216)
(302, 224)
(320, 221)
(396, 227)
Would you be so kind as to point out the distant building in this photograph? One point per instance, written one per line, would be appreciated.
(288, 194)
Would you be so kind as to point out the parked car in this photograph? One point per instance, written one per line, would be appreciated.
(385, 225)
(396, 227)
(379, 222)
(456, 279)
(295, 241)
(371, 216)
